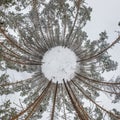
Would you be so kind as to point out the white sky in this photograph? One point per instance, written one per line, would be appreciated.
(105, 16)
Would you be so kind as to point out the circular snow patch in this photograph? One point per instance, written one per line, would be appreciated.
(59, 63)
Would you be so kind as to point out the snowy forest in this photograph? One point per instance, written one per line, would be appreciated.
(57, 67)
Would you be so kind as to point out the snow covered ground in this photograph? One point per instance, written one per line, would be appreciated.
(59, 63)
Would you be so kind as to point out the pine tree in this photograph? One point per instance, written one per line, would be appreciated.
(47, 24)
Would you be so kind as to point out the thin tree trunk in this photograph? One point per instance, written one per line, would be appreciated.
(101, 52)
(110, 113)
(54, 101)
(39, 99)
(65, 117)
(79, 109)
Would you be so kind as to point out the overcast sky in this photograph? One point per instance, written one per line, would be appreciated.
(105, 16)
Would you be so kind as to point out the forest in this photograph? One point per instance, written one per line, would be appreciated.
(58, 68)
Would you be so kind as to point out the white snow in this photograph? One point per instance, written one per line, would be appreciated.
(59, 63)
